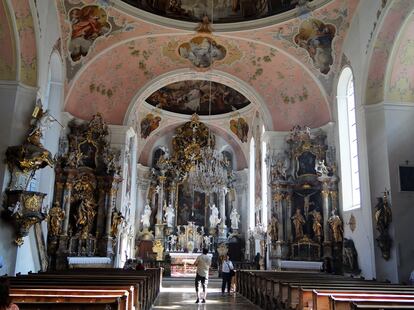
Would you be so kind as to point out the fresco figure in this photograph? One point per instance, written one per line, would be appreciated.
(88, 23)
(148, 124)
(240, 128)
(316, 37)
(202, 51)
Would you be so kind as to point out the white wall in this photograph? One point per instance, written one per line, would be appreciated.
(17, 105)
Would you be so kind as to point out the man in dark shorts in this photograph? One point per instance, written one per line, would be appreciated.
(203, 263)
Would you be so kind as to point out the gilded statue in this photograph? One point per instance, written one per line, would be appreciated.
(55, 218)
(273, 229)
(383, 218)
(298, 222)
(383, 215)
(117, 219)
(317, 225)
(335, 223)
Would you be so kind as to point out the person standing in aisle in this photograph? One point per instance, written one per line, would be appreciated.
(227, 272)
(203, 263)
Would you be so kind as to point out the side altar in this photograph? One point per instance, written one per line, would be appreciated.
(305, 224)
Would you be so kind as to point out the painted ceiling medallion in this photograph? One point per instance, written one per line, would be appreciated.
(188, 97)
(316, 38)
(240, 128)
(202, 51)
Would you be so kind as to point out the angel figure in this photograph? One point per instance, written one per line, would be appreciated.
(169, 215)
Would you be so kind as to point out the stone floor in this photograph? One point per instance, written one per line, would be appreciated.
(179, 294)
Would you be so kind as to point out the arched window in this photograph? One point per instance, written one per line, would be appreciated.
(348, 141)
(264, 179)
(252, 206)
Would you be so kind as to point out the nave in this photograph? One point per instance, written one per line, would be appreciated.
(179, 293)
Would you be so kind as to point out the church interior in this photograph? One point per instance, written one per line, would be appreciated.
(140, 132)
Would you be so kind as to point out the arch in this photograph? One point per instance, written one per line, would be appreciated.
(382, 47)
(188, 74)
(399, 82)
(8, 53)
(145, 152)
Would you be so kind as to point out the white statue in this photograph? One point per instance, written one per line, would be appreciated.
(207, 242)
(145, 217)
(169, 216)
(43, 123)
(173, 242)
(321, 168)
(235, 219)
(214, 216)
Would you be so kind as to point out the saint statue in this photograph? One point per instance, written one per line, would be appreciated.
(317, 226)
(335, 223)
(145, 217)
(169, 216)
(298, 221)
(273, 229)
(235, 219)
(56, 216)
(214, 216)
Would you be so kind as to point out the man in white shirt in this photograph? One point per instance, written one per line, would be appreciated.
(203, 263)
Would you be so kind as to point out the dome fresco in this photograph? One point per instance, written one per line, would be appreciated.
(220, 11)
(188, 97)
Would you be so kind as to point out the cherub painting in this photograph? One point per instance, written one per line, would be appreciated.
(148, 124)
(202, 51)
(316, 37)
(240, 128)
(88, 23)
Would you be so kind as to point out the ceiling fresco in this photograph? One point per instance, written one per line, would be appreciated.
(188, 97)
(289, 66)
(219, 11)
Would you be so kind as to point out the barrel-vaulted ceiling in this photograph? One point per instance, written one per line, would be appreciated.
(113, 51)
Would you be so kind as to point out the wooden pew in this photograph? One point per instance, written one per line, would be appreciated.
(349, 302)
(117, 299)
(145, 283)
(320, 297)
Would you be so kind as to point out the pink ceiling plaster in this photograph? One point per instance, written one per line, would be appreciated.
(27, 41)
(147, 149)
(291, 93)
(338, 13)
(401, 84)
(7, 46)
(382, 48)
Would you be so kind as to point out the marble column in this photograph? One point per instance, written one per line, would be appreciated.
(222, 225)
(288, 220)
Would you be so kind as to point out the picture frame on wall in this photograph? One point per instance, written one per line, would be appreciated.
(406, 178)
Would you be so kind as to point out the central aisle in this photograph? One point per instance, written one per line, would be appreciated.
(179, 293)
